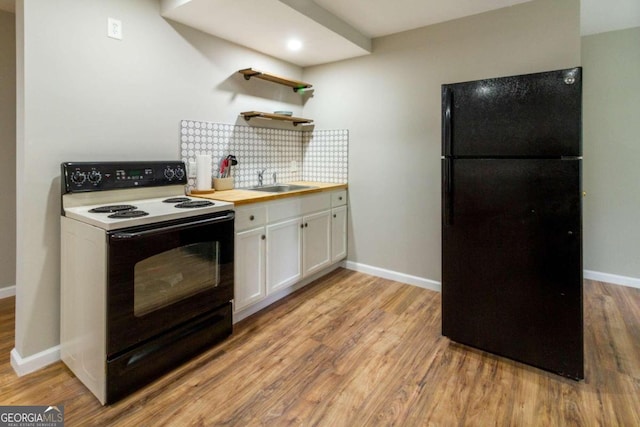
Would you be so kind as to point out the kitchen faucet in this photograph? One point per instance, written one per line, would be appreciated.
(260, 173)
(274, 178)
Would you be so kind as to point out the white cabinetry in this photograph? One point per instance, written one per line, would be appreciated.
(338, 225)
(251, 216)
(338, 198)
(250, 255)
(338, 233)
(316, 242)
(281, 242)
(249, 266)
(284, 242)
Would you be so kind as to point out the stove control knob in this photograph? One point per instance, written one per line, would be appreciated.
(78, 177)
(179, 173)
(94, 177)
(169, 173)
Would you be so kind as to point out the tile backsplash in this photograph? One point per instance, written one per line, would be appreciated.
(319, 155)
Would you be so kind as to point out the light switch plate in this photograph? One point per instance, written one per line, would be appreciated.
(114, 28)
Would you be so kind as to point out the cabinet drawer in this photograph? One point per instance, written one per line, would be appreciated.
(284, 209)
(316, 202)
(250, 216)
(338, 198)
(297, 206)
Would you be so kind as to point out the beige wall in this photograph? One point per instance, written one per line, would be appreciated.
(83, 96)
(7, 149)
(611, 136)
(390, 102)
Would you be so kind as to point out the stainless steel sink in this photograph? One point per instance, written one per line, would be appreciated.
(280, 188)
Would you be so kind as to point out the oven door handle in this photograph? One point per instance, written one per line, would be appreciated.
(183, 226)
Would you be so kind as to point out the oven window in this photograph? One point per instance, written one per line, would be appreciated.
(174, 275)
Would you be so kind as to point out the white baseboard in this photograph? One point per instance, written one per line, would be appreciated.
(394, 275)
(26, 365)
(612, 278)
(8, 291)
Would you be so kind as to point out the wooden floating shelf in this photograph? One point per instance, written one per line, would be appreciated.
(295, 84)
(296, 120)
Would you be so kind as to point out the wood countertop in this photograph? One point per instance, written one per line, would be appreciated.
(244, 196)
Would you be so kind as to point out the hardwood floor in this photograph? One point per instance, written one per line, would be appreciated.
(356, 350)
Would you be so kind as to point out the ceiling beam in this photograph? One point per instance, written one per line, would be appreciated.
(330, 21)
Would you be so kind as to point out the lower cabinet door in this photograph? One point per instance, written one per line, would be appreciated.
(338, 233)
(249, 262)
(284, 246)
(316, 242)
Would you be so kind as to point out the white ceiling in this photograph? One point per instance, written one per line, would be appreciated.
(332, 30)
(376, 18)
(599, 16)
(266, 26)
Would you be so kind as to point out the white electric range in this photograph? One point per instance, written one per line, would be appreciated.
(146, 273)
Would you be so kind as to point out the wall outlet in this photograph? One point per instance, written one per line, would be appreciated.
(114, 28)
(293, 166)
(193, 169)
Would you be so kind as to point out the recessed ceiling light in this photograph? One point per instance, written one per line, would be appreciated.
(294, 44)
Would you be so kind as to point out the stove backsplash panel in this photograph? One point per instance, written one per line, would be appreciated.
(319, 155)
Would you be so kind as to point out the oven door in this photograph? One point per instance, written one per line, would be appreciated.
(163, 275)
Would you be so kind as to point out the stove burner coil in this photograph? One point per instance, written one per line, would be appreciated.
(176, 200)
(128, 214)
(194, 204)
(113, 208)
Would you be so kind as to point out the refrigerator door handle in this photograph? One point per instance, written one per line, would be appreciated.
(448, 191)
(447, 139)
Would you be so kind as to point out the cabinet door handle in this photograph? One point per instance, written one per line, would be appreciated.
(334, 215)
(263, 237)
(340, 198)
(306, 225)
(251, 218)
(301, 225)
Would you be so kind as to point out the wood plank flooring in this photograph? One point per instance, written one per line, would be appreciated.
(356, 350)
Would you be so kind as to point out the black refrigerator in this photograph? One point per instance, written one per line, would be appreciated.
(512, 218)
